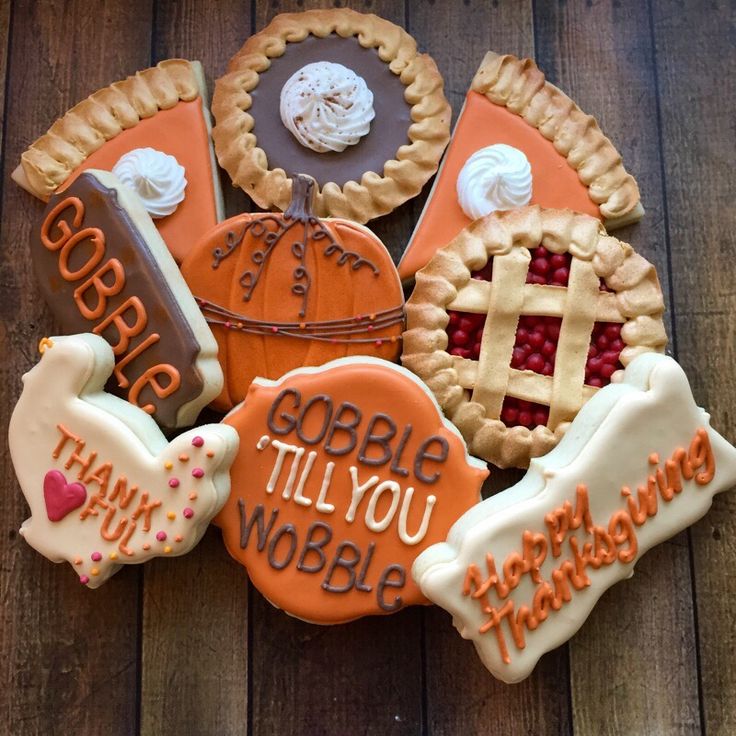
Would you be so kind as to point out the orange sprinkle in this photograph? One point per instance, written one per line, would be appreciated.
(183, 457)
(192, 496)
(171, 515)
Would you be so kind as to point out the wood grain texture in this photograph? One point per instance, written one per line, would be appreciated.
(185, 646)
(365, 676)
(695, 55)
(599, 54)
(69, 655)
(194, 665)
(461, 695)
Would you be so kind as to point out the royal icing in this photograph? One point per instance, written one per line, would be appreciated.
(157, 178)
(345, 473)
(482, 123)
(183, 132)
(521, 571)
(496, 177)
(286, 290)
(103, 268)
(104, 486)
(326, 106)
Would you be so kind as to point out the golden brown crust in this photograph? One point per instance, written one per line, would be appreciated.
(519, 85)
(445, 281)
(375, 195)
(49, 160)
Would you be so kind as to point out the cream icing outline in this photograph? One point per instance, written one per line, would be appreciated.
(67, 387)
(606, 446)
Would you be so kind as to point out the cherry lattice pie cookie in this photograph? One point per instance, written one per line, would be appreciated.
(521, 319)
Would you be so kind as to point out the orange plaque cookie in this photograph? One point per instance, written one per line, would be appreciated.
(345, 474)
(285, 290)
(153, 130)
(519, 140)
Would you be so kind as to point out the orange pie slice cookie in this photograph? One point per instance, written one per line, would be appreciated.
(153, 130)
(519, 140)
(521, 319)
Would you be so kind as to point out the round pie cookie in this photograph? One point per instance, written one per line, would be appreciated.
(341, 96)
(519, 320)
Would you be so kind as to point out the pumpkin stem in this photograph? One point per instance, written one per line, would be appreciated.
(302, 194)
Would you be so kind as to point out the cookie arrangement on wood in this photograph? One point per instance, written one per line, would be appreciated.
(346, 484)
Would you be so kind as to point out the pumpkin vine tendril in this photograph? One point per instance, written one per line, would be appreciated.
(270, 229)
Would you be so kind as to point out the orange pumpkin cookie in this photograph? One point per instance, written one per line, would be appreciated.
(519, 140)
(285, 290)
(153, 128)
(345, 474)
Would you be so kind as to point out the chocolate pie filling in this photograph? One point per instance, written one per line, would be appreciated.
(389, 129)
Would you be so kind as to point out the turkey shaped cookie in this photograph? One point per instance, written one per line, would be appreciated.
(281, 291)
(345, 474)
(519, 140)
(104, 485)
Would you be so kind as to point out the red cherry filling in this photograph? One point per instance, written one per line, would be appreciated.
(535, 347)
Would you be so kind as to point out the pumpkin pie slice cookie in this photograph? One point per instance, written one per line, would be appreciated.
(153, 131)
(341, 96)
(519, 140)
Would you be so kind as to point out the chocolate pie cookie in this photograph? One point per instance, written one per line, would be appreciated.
(341, 96)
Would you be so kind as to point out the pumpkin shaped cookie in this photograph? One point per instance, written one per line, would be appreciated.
(281, 291)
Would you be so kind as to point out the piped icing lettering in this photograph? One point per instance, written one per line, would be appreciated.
(521, 572)
(99, 273)
(346, 472)
(100, 494)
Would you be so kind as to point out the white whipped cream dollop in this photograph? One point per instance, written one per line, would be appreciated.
(497, 177)
(326, 106)
(156, 177)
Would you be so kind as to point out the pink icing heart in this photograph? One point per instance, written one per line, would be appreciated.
(61, 497)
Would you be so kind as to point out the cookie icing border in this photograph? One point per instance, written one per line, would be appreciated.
(405, 175)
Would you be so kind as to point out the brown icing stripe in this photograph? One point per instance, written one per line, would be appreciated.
(90, 234)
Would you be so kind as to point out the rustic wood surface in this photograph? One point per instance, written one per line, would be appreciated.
(186, 646)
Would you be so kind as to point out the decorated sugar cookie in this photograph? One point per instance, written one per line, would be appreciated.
(521, 571)
(519, 140)
(342, 96)
(345, 473)
(285, 290)
(520, 320)
(153, 131)
(104, 486)
(103, 268)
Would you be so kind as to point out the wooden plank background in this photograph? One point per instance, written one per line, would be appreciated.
(186, 646)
